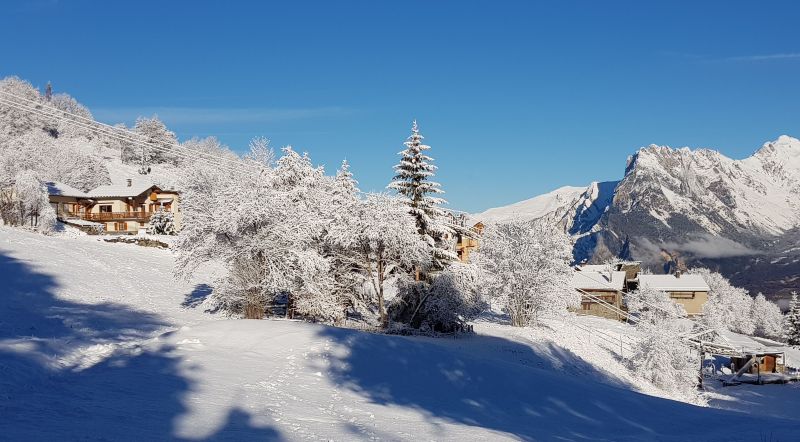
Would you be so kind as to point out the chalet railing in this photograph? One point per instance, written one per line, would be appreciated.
(113, 216)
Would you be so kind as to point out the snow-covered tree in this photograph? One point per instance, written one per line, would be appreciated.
(728, 307)
(661, 357)
(653, 306)
(767, 317)
(159, 141)
(413, 182)
(161, 222)
(791, 325)
(24, 202)
(659, 354)
(268, 226)
(380, 237)
(528, 264)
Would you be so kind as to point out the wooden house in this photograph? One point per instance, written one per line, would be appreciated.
(466, 244)
(116, 208)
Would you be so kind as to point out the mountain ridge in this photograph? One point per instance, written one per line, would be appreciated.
(682, 207)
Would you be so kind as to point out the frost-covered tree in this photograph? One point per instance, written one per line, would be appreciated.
(267, 226)
(659, 354)
(24, 202)
(159, 141)
(767, 317)
(13, 120)
(528, 264)
(728, 307)
(413, 182)
(791, 325)
(161, 222)
(653, 306)
(661, 357)
(380, 237)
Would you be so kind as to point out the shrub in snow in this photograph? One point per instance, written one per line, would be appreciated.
(767, 317)
(728, 307)
(445, 305)
(413, 182)
(791, 325)
(162, 222)
(528, 266)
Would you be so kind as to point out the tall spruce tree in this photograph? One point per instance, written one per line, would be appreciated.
(792, 322)
(413, 182)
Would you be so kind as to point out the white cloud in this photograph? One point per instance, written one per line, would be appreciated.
(765, 57)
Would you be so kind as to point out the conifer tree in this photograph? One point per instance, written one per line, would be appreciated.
(413, 182)
(48, 92)
(792, 322)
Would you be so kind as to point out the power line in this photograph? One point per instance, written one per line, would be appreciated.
(121, 134)
(118, 136)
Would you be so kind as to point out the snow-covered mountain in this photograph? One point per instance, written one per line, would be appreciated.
(687, 207)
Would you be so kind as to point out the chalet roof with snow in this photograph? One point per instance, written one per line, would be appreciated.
(592, 280)
(116, 190)
(673, 283)
(55, 188)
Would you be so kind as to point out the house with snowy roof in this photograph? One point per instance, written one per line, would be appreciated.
(116, 208)
(601, 291)
(690, 291)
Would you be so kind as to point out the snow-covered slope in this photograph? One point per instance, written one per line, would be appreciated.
(553, 204)
(97, 342)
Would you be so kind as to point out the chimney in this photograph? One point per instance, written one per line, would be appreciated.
(130, 182)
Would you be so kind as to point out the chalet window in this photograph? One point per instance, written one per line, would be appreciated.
(682, 295)
(121, 227)
(106, 208)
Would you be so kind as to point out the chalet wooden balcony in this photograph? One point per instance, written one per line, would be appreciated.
(116, 216)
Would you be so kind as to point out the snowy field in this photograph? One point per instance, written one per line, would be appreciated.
(99, 342)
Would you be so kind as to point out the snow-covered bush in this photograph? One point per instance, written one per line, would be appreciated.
(528, 264)
(728, 307)
(767, 317)
(162, 222)
(445, 305)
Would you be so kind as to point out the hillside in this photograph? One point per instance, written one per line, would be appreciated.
(98, 341)
(682, 207)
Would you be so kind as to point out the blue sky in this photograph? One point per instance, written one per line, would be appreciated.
(516, 98)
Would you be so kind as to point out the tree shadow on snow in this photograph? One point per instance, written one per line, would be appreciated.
(197, 296)
(76, 371)
(502, 385)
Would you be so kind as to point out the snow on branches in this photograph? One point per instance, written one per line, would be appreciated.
(529, 264)
(412, 181)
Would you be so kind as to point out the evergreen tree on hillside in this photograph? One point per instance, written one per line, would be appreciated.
(413, 182)
(48, 91)
(792, 322)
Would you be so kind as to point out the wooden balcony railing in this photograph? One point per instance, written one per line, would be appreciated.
(114, 216)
